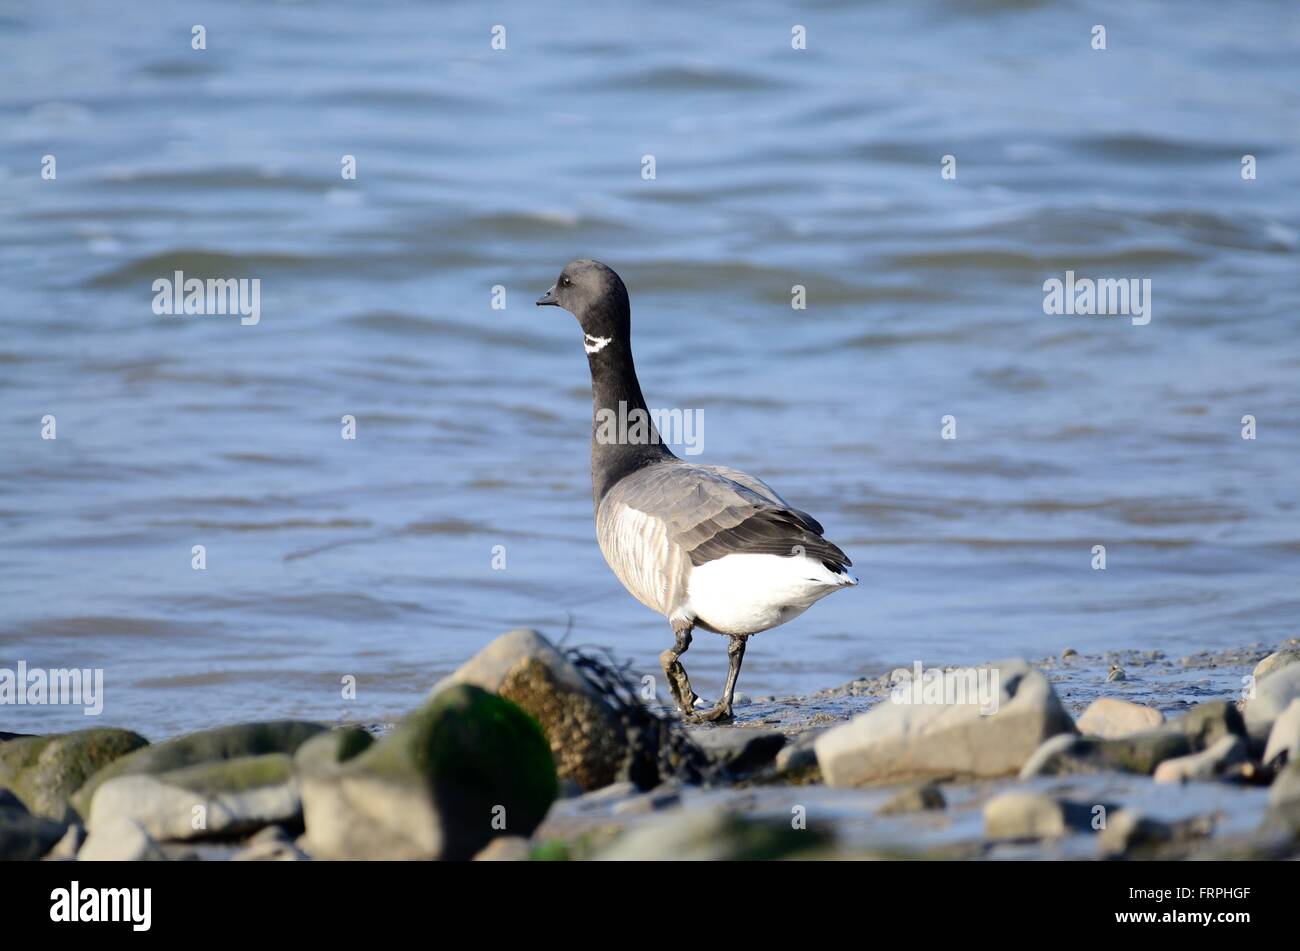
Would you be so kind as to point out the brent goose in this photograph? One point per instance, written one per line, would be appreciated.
(705, 546)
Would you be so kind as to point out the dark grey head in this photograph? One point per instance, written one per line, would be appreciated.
(595, 295)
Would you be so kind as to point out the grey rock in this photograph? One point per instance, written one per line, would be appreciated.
(464, 768)
(1284, 798)
(66, 849)
(506, 848)
(1129, 829)
(1136, 753)
(921, 797)
(613, 793)
(712, 834)
(272, 844)
(796, 763)
(1111, 717)
(1273, 694)
(44, 771)
(220, 799)
(1024, 814)
(1275, 662)
(1286, 787)
(23, 836)
(1210, 763)
(1116, 674)
(1207, 723)
(120, 840)
(1054, 748)
(1284, 739)
(490, 667)
(901, 741)
(739, 750)
(657, 799)
(324, 751)
(586, 737)
(222, 743)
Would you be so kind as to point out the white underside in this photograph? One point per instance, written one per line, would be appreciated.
(746, 593)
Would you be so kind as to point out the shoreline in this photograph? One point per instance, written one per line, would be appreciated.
(1152, 678)
(711, 788)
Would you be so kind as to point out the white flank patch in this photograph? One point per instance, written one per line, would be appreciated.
(748, 593)
(595, 344)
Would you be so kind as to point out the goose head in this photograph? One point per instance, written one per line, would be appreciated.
(594, 294)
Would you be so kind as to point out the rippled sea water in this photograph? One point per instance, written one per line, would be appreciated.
(774, 167)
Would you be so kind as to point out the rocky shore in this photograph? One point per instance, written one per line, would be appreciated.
(529, 752)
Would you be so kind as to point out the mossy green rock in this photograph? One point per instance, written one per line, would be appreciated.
(232, 775)
(1137, 753)
(1207, 723)
(44, 771)
(464, 768)
(325, 751)
(206, 746)
(588, 741)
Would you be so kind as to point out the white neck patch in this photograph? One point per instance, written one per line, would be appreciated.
(595, 344)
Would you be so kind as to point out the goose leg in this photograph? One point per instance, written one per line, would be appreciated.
(678, 682)
(735, 654)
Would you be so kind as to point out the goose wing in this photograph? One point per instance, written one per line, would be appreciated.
(677, 513)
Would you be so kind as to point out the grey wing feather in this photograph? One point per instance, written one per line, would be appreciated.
(709, 512)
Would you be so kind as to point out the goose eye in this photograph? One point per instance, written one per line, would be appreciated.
(564, 281)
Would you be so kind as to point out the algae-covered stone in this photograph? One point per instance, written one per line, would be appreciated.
(221, 798)
(44, 771)
(326, 750)
(464, 768)
(974, 723)
(1141, 752)
(1207, 723)
(222, 743)
(587, 739)
(1138, 753)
